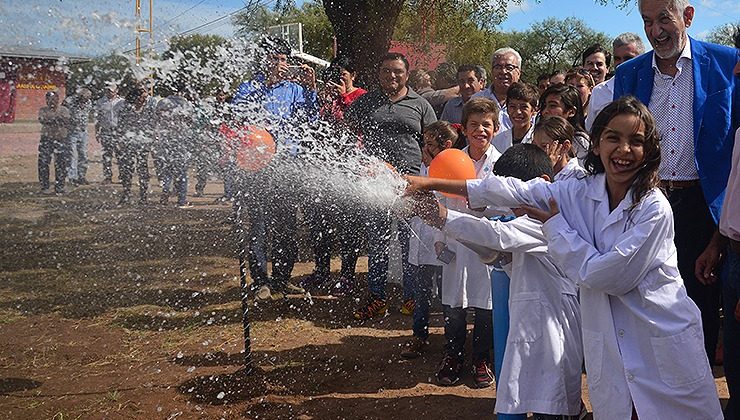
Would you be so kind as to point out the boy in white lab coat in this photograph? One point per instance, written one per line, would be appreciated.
(541, 371)
(465, 279)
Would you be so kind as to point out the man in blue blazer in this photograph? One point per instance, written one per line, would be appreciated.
(690, 88)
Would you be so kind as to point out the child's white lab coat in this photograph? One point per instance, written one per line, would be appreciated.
(423, 237)
(541, 370)
(572, 169)
(642, 335)
(466, 281)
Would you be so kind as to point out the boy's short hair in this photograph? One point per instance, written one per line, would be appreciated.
(392, 56)
(523, 92)
(524, 161)
(480, 106)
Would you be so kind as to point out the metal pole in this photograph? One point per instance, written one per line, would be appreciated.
(244, 289)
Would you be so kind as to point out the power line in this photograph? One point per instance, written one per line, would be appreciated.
(248, 6)
(183, 12)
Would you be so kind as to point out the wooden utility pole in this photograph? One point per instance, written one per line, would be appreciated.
(140, 29)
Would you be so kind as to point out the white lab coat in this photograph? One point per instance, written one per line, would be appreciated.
(505, 139)
(423, 237)
(541, 370)
(466, 281)
(642, 334)
(572, 169)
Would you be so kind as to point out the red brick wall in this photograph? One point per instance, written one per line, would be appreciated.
(33, 78)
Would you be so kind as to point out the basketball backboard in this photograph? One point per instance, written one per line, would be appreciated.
(291, 32)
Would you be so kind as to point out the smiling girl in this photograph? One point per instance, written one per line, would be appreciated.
(612, 233)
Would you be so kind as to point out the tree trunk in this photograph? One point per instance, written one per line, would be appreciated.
(363, 29)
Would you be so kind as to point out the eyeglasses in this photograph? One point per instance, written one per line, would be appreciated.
(507, 67)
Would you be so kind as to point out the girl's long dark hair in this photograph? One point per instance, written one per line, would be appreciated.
(647, 177)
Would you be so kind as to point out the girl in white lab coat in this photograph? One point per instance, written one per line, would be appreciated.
(612, 233)
(554, 135)
(439, 136)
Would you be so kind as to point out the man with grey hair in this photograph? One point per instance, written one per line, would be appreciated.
(624, 47)
(506, 66)
(470, 80)
(80, 106)
(688, 87)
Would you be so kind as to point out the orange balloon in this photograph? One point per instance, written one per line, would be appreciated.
(452, 164)
(253, 146)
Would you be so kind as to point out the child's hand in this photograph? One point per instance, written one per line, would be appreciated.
(555, 152)
(438, 247)
(428, 208)
(415, 184)
(539, 214)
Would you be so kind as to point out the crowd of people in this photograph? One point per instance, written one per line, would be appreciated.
(602, 226)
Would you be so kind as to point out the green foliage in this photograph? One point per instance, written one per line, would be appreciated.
(724, 34)
(95, 73)
(317, 30)
(553, 44)
(466, 42)
(201, 46)
(192, 60)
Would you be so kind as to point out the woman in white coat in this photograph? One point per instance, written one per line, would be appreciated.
(612, 233)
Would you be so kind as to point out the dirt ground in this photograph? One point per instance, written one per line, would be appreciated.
(134, 312)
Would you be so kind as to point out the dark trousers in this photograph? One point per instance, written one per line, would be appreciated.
(427, 276)
(276, 218)
(731, 333)
(694, 228)
(60, 151)
(134, 157)
(456, 332)
(326, 224)
(108, 144)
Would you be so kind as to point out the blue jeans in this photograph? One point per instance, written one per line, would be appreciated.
(428, 275)
(731, 337)
(78, 158)
(174, 172)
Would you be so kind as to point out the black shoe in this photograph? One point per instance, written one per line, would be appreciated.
(83, 181)
(449, 371)
(125, 199)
